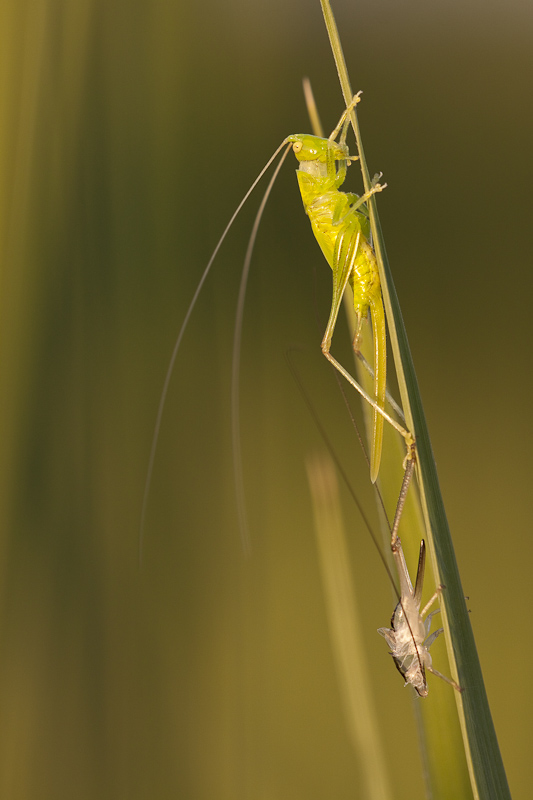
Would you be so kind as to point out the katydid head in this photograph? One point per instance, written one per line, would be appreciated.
(312, 148)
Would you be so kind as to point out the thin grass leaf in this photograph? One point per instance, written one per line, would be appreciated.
(442, 751)
(487, 774)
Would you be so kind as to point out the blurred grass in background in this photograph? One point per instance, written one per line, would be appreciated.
(129, 132)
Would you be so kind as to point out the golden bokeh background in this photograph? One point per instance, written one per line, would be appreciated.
(129, 132)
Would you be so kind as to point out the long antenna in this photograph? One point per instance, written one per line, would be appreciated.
(170, 368)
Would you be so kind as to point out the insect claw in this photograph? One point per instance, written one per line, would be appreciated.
(411, 453)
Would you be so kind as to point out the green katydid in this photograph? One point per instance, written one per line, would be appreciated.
(341, 228)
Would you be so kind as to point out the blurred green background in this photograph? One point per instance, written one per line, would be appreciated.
(129, 132)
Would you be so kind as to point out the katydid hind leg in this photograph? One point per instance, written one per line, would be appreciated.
(345, 254)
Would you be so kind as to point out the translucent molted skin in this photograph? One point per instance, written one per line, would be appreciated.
(408, 637)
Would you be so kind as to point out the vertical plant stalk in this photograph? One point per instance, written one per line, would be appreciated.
(487, 773)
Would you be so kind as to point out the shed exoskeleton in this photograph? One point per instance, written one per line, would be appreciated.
(408, 637)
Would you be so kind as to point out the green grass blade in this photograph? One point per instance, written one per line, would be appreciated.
(484, 760)
(440, 739)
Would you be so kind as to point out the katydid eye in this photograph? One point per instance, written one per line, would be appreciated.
(297, 146)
